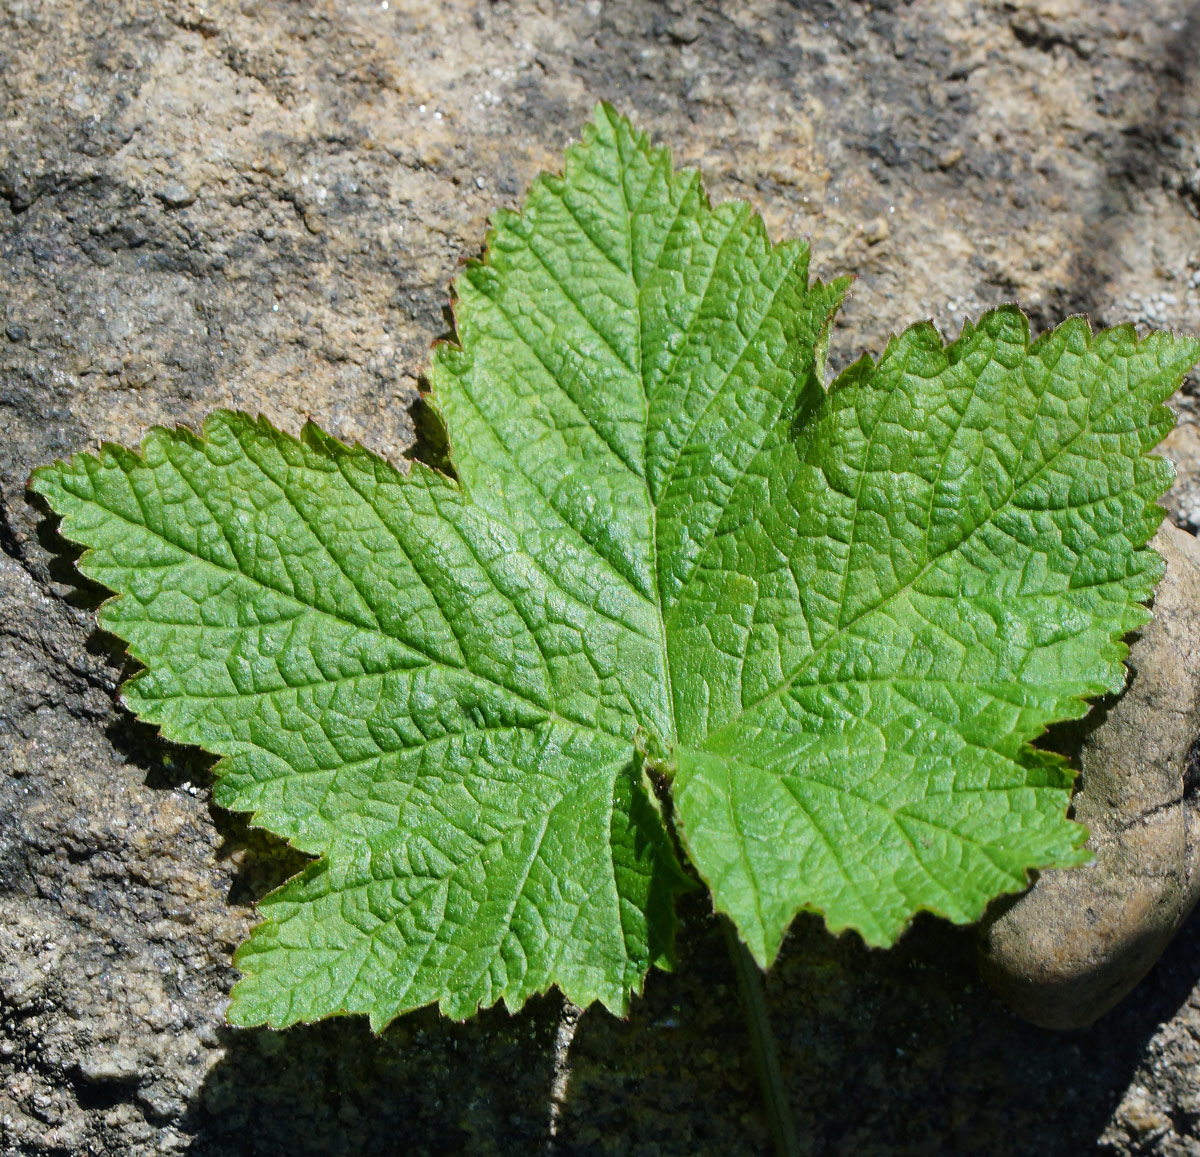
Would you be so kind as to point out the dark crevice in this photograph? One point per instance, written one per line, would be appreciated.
(1044, 41)
(8, 539)
(1122, 826)
(1191, 773)
(103, 1096)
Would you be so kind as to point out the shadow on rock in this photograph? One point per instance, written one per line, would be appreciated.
(426, 1086)
(1147, 154)
(900, 1052)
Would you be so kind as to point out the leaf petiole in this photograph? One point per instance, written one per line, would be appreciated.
(762, 1044)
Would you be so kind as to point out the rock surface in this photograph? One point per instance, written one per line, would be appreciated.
(1065, 952)
(261, 204)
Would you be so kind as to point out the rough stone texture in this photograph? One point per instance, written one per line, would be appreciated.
(1065, 952)
(262, 204)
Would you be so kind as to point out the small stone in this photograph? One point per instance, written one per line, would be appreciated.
(1080, 939)
(110, 1067)
(876, 231)
(685, 30)
(16, 333)
(176, 196)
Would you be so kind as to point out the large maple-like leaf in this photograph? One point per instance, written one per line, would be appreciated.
(834, 619)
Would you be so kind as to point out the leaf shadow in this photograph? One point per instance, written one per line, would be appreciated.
(894, 1052)
(431, 442)
(425, 1086)
(431, 439)
(62, 557)
(258, 861)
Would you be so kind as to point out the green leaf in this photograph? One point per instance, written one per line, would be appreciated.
(914, 578)
(836, 618)
(441, 688)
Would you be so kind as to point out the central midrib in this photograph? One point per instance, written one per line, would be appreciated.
(670, 741)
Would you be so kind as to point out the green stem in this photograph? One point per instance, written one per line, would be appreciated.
(762, 1044)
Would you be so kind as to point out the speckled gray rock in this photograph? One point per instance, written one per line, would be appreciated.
(1066, 951)
(261, 203)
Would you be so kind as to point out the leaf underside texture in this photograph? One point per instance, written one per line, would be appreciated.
(836, 617)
